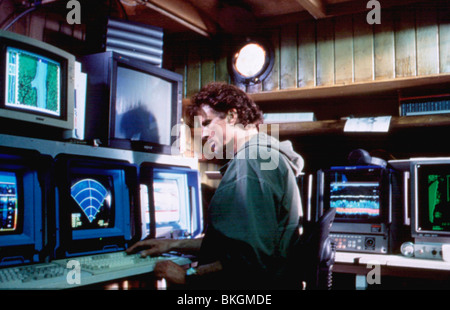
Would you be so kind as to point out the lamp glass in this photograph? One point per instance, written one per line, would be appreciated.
(250, 59)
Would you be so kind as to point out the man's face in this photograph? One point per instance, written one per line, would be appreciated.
(215, 129)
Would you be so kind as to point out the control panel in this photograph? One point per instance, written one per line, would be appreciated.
(422, 250)
(360, 243)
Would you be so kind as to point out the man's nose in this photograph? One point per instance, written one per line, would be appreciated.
(206, 132)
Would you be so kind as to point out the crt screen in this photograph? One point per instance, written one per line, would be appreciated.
(32, 82)
(92, 203)
(434, 208)
(167, 201)
(143, 107)
(8, 202)
(354, 197)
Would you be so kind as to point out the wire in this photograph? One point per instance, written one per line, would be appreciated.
(17, 17)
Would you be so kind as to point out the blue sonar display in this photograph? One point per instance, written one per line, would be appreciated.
(8, 202)
(95, 201)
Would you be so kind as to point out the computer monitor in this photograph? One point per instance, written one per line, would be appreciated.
(363, 197)
(24, 198)
(430, 200)
(36, 85)
(97, 207)
(131, 104)
(171, 202)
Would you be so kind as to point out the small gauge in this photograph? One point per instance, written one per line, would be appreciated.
(407, 249)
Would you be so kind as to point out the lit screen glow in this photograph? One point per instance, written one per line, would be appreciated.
(434, 209)
(94, 205)
(8, 202)
(32, 82)
(167, 201)
(355, 199)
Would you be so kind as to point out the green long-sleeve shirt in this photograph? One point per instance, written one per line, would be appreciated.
(254, 213)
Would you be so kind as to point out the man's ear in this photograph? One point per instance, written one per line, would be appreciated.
(232, 116)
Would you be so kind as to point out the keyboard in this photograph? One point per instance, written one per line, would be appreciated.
(61, 274)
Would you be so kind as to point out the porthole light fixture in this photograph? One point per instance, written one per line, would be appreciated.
(251, 62)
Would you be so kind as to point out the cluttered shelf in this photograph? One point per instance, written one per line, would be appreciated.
(396, 89)
(337, 126)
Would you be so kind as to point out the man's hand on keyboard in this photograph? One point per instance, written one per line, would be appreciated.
(152, 247)
(170, 271)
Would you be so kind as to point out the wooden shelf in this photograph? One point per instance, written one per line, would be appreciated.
(354, 89)
(325, 127)
(337, 126)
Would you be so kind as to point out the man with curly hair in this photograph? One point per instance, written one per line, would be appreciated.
(254, 214)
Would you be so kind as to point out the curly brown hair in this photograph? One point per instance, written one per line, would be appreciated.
(223, 97)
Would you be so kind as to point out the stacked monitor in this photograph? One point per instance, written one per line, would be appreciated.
(25, 196)
(36, 86)
(430, 203)
(364, 198)
(170, 202)
(131, 104)
(97, 209)
(77, 205)
(70, 206)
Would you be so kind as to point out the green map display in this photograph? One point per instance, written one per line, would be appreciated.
(33, 82)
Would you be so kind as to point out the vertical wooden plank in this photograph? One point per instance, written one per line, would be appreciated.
(343, 49)
(405, 43)
(444, 40)
(427, 41)
(363, 49)
(207, 64)
(193, 78)
(325, 52)
(307, 54)
(272, 82)
(384, 47)
(288, 57)
(221, 66)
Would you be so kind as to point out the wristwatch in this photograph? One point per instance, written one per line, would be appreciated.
(191, 271)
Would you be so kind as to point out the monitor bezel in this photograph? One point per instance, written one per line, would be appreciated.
(418, 170)
(33, 172)
(67, 84)
(89, 241)
(101, 100)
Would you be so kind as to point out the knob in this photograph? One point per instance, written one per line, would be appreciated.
(407, 249)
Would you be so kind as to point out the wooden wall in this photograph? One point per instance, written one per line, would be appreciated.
(344, 50)
(45, 24)
(410, 41)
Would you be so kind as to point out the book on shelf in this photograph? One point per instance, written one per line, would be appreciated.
(272, 118)
(427, 107)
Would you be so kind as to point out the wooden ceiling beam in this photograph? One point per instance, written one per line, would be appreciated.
(315, 7)
(183, 13)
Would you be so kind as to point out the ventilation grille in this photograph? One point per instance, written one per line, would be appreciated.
(135, 40)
